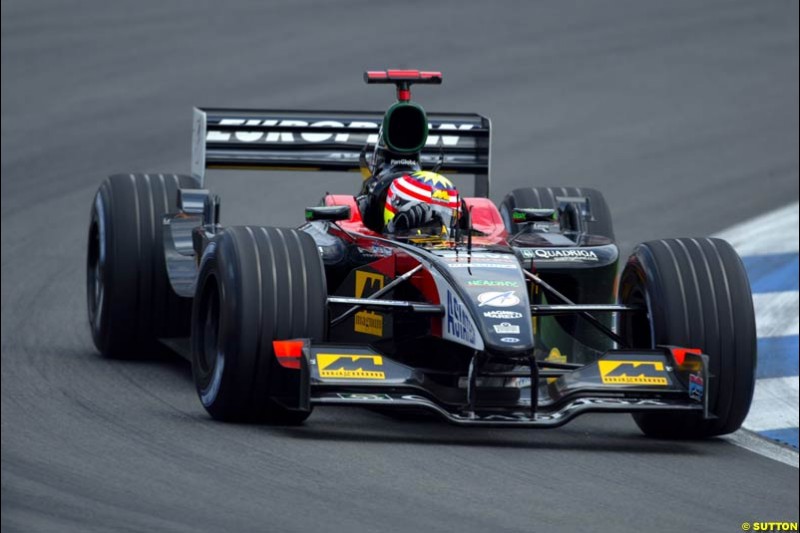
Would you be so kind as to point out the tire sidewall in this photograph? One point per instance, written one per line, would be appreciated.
(139, 306)
(217, 271)
(270, 284)
(102, 220)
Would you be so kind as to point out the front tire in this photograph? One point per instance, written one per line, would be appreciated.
(130, 301)
(698, 296)
(256, 285)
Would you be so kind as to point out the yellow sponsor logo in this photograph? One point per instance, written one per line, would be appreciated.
(350, 366)
(633, 373)
(369, 323)
(440, 194)
(368, 282)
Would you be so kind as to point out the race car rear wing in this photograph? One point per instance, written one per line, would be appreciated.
(329, 141)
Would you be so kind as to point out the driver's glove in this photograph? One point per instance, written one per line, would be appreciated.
(415, 215)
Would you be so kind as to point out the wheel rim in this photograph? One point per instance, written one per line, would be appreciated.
(637, 328)
(211, 358)
(96, 272)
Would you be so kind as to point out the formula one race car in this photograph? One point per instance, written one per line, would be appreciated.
(408, 295)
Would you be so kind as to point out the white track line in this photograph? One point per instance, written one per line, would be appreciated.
(776, 314)
(758, 444)
(775, 401)
(775, 232)
(774, 404)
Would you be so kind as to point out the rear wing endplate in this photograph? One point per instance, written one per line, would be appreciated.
(329, 141)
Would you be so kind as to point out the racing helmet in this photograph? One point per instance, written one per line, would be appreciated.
(431, 191)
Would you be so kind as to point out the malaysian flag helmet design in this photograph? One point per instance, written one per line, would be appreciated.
(423, 187)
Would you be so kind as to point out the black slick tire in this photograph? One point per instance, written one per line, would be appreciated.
(130, 301)
(698, 296)
(256, 285)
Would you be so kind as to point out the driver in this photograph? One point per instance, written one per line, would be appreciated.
(404, 200)
(397, 196)
(419, 201)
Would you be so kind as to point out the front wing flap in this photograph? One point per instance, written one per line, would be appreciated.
(620, 381)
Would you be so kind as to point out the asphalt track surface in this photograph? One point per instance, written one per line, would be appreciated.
(684, 113)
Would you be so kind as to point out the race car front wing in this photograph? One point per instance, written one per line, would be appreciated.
(664, 379)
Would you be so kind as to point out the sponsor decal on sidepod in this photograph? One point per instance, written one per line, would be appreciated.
(368, 322)
(570, 254)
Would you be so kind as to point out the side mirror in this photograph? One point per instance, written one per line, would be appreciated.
(524, 214)
(328, 212)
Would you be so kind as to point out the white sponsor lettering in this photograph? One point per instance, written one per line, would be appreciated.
(222, 136)
(502, 314)
(505, 327)
(459, 324)
(510, 340)
(510, 266)
(555, 254)
(322, 137)
(498, 299)
(447, 140)
(382, 251)
(317, 137)
(284, 136)
(371, 139)
(450, 255)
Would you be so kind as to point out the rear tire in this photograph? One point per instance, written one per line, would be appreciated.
(255, 285)
(545, 198)
(130, 301)
(698, 296)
